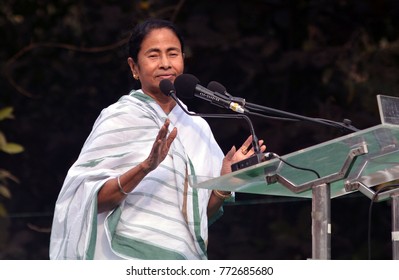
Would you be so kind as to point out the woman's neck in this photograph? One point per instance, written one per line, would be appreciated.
(167, 103)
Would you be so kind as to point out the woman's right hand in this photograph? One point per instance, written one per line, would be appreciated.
(160, 148)
(115, 190)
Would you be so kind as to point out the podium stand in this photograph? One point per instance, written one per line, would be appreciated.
(360, 161)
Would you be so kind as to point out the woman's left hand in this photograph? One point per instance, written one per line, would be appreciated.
(235, 155)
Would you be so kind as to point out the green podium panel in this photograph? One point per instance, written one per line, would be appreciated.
(370, 156)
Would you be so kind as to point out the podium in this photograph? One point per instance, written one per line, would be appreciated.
(366, 161)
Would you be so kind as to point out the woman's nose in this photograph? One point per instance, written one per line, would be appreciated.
(165, 63)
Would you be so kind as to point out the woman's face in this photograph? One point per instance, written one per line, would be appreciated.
(160, 57)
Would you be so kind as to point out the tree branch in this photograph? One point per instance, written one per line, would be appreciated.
(8, 65)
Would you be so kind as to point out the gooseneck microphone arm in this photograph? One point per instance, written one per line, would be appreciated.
(282, 115)
(345, 125)
(168, 89)
(255, 141)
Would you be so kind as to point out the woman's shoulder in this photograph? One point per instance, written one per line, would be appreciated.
(135, 98)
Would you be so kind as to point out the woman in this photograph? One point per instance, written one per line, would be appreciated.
(127, 196)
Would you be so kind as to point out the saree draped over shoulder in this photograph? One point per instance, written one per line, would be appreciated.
(163, 217)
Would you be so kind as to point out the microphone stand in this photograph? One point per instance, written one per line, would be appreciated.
(257, 157)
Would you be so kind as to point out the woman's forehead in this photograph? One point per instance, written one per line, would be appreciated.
(160, 38)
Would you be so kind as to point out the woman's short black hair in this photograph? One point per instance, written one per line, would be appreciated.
(141, 30)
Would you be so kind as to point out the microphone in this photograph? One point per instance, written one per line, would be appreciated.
(219, 88)
(168, 89)
(187, 86)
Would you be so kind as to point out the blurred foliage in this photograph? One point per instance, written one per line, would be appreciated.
(62, 62)
(5, 146)
(6, 176)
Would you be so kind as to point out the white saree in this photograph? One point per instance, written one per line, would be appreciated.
(163, 217)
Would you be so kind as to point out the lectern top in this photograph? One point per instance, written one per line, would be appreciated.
(377, 166)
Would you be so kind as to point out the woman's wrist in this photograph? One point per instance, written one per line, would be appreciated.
(144, 167)
(222, 194)
(120, 186)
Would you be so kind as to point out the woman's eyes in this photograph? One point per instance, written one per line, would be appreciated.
(156, 55)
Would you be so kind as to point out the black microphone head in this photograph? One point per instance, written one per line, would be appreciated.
(166, 87)
(185, 85)
(216, 87)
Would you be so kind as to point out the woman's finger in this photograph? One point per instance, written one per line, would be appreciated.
(246, 145)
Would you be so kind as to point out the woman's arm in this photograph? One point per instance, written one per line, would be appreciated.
(115, 190)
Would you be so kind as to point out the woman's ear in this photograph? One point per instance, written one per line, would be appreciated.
(133, 68)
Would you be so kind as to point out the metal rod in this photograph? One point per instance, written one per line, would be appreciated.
(321, 222)
(395, 226)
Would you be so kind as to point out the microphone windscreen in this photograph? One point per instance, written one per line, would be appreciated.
(185, 85)
(166, 87)
(216, 87)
